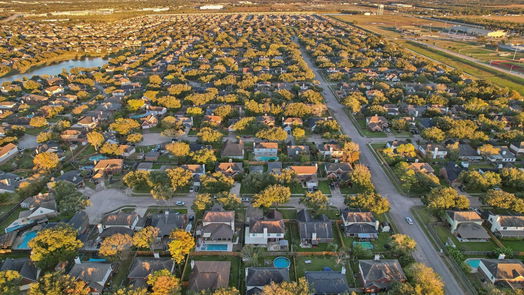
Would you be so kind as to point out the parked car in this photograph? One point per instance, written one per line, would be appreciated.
(409, 220)
(180, 203)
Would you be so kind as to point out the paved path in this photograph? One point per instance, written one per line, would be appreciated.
(400, 205)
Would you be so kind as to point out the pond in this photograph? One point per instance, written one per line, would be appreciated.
(56, 69)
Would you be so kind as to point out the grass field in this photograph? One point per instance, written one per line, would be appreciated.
(504, 18)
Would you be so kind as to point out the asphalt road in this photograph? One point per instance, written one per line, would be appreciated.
(400, 205)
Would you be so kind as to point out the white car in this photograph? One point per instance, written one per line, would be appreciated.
(180, 203)
(409, 220)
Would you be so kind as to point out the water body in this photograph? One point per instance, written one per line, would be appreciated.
(56, 69)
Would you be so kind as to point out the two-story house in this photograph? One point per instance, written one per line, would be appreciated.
(217, 231)
(360, 224)
(265, 151)
(264, 230)
(507, 226)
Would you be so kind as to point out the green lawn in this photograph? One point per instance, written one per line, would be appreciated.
(317, 264)
(363, 129)
(323, 186)
(121, 275)
(444, 234)
(288, 214)
(516, 245)
(10, 219)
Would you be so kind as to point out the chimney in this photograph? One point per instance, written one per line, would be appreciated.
(377, 257)
(502, 256)
(157, 255)
(77, 260)
(100, 228)
(166, 215)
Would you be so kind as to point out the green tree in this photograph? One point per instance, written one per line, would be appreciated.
(69, 199)
(9, 282)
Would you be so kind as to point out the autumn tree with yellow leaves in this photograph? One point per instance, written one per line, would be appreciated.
(54, 245)
(46, 161)
(182, 243)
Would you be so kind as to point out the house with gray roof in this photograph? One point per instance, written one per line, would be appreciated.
(359, 223)
(327, 282)
(25, 268)
(74, 177)
(314, 231)
(233, 150)
(9, 182)
(467, 226)
(168, 221)
(264, 229)
(380, 275)
(142, 267)
(209, 275)
(507, 226)
(507, 273)
(258, 277)
(218, 228)
(94, 274)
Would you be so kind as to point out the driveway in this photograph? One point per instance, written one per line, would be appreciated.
(110, 199)
(154, 138)
(27, 142)
(400, 205)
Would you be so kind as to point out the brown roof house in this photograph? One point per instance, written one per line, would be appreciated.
(258, 277)
(217, 231)
(265, 151)
(209, 275)
(507, 226)
(233, 150)
(360, 224)
(266, 230)
(94, 274)
(307, 175)
(7, 152)
(107, 167)
(377, 123)
(507, 273)
(467, 226)
(231, 169)
(379, 275)
(142, 267)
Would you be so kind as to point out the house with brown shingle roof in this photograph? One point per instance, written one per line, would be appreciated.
(377, 123)
(510, 226)
(264, 229)
(72, 135)
(218, 228)
(265, 151)
(360, 224)
(503, 272)
(231, 169)
(209, 275)
(7, 152)
(107, 167)
(467, 226)
(379, 275)
(233, 150)
(307, 175)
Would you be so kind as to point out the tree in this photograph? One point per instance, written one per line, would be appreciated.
(350, 152)
(228, 200)
(446, 198)
(274, 194)
(297, 109)
(274, 134)
(258, 181)
(95, 139)
(488, 150)
(216, 182)
(57, 283)
(298, 133)
(69, 199)
(204, 156)
(44, 136)
(131, 291)
(504, 200)
(38, 121)
(178, 149)
(145, 237)
(251, 255)
(169, 102)
(9, 282)
(116, 246)
(179, 177)
(371, 201)
(111, 149)
(209, 135)
(434, 134)
(513, 178)
(361, 178)
(181, 245)
(162, 282)
(402, 244)
(53, 245)
(476, 181)
(316, 200)
(124, 126)
(135, 104)
(46, 161)
(288, 288)
(424, 279)
(134, 137)
(221, 291)
(137, 179)
(286, 176)
(202, 202)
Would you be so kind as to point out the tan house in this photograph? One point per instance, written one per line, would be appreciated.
(7, 152)
(377, 123)
(107, 167)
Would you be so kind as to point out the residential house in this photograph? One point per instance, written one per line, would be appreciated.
(360, 224)
(258, 277)
(266, 120)
(333, 150)
(86, 122)
(148, 122)
(94, 274)
(25, 267)
(307, 175)
(507, 273)
(197, 170)
(504, 155)
(167, 222)
(377, 123)
(72, 135)
(218, 228)
(379, 275)
(467, 226)
(265, 151)
(337, 172)
(54, 90)
(297, 151)
(392, 109)
(468, 153)
(9, 182)
(274, 168)
(507, 226)
(421, 167)
(451, 172)
(126, 150)
(432, 151)
(517, 147)
(7, 152)
(231, 169)
(327, 282)
(213, 120)
(121, 219)
(209, 275)
(233, 150)
(80, 223)
(142, 267)
(314, 231)
(265, 230)
(106, 167)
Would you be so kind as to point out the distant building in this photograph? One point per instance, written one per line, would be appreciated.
(477, 31)
(211, 7)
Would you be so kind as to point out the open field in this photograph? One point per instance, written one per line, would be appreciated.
(505, 18)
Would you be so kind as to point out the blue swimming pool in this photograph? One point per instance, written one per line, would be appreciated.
(214, 247)
(364, 245)
(267, 159)
(473, 263)
(96, 260)
(26, 237)
(281, 262)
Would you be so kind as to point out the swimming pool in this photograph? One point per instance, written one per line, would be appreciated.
(281, 262)
(26, 237)
(96, 260)
(364, 245)
(473, 263)
(214, 247)
(267, 158)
